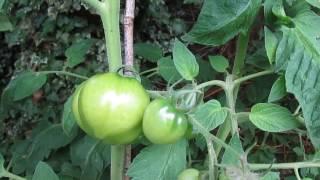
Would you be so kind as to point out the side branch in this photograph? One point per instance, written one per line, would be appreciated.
(96, 4)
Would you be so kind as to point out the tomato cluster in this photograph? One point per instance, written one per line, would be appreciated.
(116, 109)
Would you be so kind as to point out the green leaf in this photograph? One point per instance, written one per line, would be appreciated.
(219, 63)
(76, 52)
(315, 3)
(278, 11)
(69, 123)
(268, 14)
(206, 73)
(272, 118)
(210, 115)
(229, 157)
(219, 21)
(271, 43)
(44, 171)
(26, 83)
(278, 90)
(1, 4)
(167, 70)
(45, 139)
(148, 51)
(184, 61)
(298, 54)
(5, 24)
(271, 176)
(92, 156)
(259, 58)
(162, 162)
(67, 169)
(23, 85)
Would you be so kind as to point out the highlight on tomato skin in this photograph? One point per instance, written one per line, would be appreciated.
(163, 123)
(110, 107)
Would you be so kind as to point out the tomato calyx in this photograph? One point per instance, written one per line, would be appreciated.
(129, 71)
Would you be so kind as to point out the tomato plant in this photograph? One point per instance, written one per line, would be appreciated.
(234, 89)
(163, 123)
(99, 105)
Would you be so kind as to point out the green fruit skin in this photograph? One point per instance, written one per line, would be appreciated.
(189, 174)
(163, 123)
(110, 107)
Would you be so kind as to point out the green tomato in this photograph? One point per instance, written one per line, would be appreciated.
(163, 123)
(110, 107)
(189, 174)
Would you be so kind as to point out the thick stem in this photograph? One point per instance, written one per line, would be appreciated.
(212, 159)
(117, 161)
(241, 51)
(231, 93)
(96, 4)
(231, 123)
(109, 11)
(110, 20)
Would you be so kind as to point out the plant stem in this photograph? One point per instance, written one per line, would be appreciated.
(212, 83)
(152, 74)
(117, 161)
(230, 123)
(64, 73)
(148, 71)
(96, 4)
(243, 117)
(241, 51)
(232, 91)
(212, 159)
(110, 12)
(251, 76)
(296, 172)
(210, 136)
(110, 20)
(12, 176)
(293, 165)
(157, 94)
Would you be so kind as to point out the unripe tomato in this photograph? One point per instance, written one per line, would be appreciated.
(110, 107)
(163, 123)
(189, 174)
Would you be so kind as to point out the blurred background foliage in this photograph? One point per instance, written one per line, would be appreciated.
(49, 34)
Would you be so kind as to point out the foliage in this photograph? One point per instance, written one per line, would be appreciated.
(249, 69)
